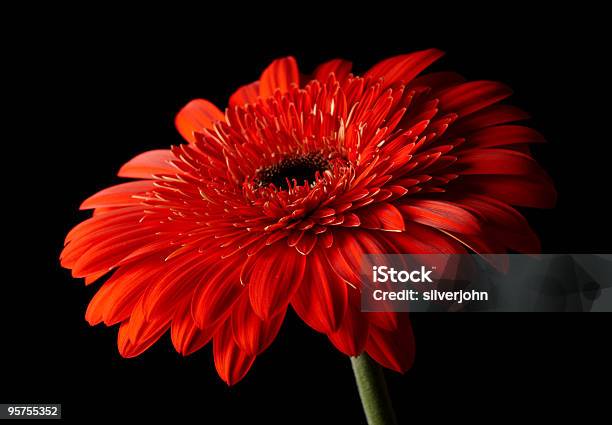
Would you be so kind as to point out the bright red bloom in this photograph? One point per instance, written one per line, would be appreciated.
(271, 205)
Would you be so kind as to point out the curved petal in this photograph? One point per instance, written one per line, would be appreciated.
(245, 94)
(117, 297)
(321, 299)
(340, 67)
(137, 334)
(107, 253)
(383, 216)
(501, 223)
(145, 165)
(522, 191)
(119, 195)
(197, 115)
(186, 336)
(217, 292)
(421, 239)
(497, 161)
(252, 334)
(231, 362)
(440, 214)
(503, 135)
(352, 335)
(468, 98)
(403, 68)
(273, 275)
(280, 74)
(395, 349)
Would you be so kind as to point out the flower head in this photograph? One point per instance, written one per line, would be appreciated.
(272, 203)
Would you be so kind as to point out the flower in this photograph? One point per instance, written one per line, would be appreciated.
(272, 203)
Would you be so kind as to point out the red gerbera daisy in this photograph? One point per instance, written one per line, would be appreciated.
(272, 203)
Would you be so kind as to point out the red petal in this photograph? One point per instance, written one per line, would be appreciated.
(231, 362)
(197, 115)
(107, 253)
(436, 80)
(440, 214)
(176, 283)
(97, 230)
(467, 98)
(186, 336)
(339, 67)
(217, 293)
(119, 195)
(352, 335)
(420, 239)
(383, 216)
(322, 297)
(344, 257)
(503, 135)
(346, 254)
(524, 191)
(403, 68)
(493, 115)
(385, 320)
(138, 334)
(280, 74)
(306, 243)
(502, 223)
(252, 334)
(497, 161)
(395, 349)
(245, 94)
(146, 164)
(116, 299)
(272, 275)
(131, 215)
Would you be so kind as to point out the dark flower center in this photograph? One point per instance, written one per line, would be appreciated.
(301, 168)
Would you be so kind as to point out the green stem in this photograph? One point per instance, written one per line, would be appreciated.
(373, 391)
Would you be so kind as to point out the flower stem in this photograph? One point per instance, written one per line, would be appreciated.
(373, 391)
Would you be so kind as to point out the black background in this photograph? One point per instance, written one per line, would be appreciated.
(97, 88)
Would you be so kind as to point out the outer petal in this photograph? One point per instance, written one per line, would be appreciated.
(273, 275)
(503, 135)
(352, 335)
(339, 67)
(107, 253)
(245, 94)
(383, 216)
(145, 165)
(95, 230)
(349, 246)
(116, 299)
(280, 74)
(420, 239)
(440, 214)
(119, 195)
(468, 98)
(231, 362)
(252, 334)
(197, 115)
(186, 336)
(395, 349)
(501, 223)
(175, 283)
(403, 68)
(523, 191)
(321, 299)
(137, 334)
(217, 292)
(487, 117)
(497, 161)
